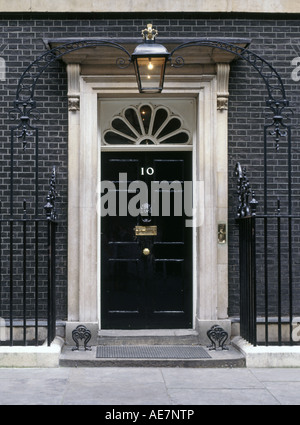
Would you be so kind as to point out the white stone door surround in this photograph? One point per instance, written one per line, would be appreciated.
(210, 94)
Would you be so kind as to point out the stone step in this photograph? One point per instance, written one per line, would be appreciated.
(148, 337)
(215, 359)
(135, 348)
(139, 337)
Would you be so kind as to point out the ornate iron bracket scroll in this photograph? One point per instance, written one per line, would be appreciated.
(81, 333)
(24, 107)
(51, 197)
(217, 335)
(268, 73)
(278, 128)
(276, 101)
(245, 208)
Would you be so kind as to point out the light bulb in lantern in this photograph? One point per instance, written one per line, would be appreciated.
(150, 66)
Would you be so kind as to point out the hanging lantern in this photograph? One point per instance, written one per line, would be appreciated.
(149, 59)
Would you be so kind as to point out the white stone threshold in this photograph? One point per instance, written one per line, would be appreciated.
(271, 356)
(147, 332)
(30, 356)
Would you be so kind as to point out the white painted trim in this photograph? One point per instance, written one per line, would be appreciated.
(209, 138)
(145, 148)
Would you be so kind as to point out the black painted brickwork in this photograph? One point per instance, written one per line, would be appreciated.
(277, 40)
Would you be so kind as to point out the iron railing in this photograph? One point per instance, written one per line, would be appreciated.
(25, 112)
(27, 275)
(269, 275)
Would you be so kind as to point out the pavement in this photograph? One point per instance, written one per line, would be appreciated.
(152, 386)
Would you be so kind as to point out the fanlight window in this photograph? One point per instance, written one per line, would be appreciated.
(146, 125)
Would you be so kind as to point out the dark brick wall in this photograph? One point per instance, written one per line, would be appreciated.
(277, 40)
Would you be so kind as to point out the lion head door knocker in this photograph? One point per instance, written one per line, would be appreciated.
(145, 212)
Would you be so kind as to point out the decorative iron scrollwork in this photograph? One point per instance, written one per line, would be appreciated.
(24, 112)
(178, 62)
(278, 128)
(123, 63)
(25, 105)
(268, 73)
(81, 333)
(51, 197)
(246, 208)
(217, 335)
(24, 109)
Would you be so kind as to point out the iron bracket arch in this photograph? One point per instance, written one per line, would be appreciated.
(25, 105)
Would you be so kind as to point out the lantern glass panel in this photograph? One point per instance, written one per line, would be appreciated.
(151, 73)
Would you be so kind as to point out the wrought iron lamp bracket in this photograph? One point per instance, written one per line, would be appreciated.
(276, 101)
(25, 105)
(268, 73)
(30, 77)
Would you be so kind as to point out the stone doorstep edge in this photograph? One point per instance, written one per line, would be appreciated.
(41, 356)
(267, 357)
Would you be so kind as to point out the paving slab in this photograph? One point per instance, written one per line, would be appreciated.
(222, 397)
(117, 394)
(139, 386)
(210, 378)
(277, 374)
(286, 393)
(109, 375)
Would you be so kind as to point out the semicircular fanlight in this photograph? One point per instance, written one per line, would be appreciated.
(122, 126)
(131, 116)
(181, 137)
(161, 114)
(146, 124)
(114, 138)
(146, 115)
(169, 127)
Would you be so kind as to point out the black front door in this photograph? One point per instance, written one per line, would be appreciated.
(146, 247)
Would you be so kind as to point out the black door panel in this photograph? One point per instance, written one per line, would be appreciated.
(146, 278)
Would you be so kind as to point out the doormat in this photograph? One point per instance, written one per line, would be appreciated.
(151, 352)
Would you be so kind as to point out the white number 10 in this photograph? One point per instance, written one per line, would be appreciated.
(149, 171)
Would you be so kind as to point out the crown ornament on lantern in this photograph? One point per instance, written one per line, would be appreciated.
(149, 33)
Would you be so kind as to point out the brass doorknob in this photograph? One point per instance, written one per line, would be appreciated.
(146, 251)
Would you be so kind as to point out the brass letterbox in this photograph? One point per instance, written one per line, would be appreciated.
(145, 230)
